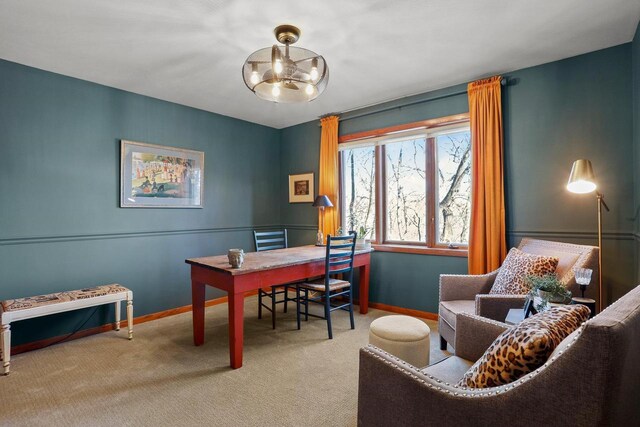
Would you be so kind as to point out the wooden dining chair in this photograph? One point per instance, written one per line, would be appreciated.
(339, 260)
(266, 241)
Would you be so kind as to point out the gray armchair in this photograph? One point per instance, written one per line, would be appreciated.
(591, 379)
(470, 293)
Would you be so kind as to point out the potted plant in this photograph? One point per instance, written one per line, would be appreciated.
(362, 242)
(547, 289)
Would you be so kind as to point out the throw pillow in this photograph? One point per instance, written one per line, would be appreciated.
(512, 277)
(524, 347)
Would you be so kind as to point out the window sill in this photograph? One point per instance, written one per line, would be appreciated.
(410, 249)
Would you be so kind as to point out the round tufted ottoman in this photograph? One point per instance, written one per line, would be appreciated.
(403, 336)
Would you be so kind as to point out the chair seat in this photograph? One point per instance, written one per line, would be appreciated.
(450, 370)
(449, 309)
(318, 285)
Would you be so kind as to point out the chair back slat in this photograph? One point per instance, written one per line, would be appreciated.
(341, 246)
(270, 248)
(345, 237)
(269, 240)
(338, 260)
(269, 233)
(278, 240)
(339, 254)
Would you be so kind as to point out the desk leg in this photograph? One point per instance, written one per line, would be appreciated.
(236, 328)
(197, 304)
(364, 288)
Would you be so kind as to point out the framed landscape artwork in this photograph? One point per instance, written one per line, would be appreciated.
(155, 176)
(301, 188)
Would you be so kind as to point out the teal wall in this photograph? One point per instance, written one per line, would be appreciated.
(61, 226)
(60, 222)
(554, 114)
(635, 59)
(299, 153)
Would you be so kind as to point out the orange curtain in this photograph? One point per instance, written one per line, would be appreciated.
(487, 236)
(329, 174)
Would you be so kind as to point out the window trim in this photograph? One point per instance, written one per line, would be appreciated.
(423, 124)
(423, 250)
(430, 246)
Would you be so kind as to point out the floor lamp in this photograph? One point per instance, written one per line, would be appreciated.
(582, 181)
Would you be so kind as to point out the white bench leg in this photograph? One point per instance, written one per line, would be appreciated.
(6, 348)
(130, 318)
(117, 315)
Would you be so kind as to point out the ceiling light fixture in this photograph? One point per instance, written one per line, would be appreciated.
(286, 73)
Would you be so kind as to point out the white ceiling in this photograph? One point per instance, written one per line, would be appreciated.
(191, 51)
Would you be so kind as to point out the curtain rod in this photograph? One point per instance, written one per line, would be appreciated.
(503, 82)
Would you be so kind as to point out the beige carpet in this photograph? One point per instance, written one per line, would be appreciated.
(289, 377)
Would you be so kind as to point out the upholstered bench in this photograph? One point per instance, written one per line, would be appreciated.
(12, 310)
(405, 337)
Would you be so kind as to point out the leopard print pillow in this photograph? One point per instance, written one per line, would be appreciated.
(512, 277)
(524, 347)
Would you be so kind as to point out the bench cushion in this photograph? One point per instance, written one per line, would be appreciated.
(58, 297)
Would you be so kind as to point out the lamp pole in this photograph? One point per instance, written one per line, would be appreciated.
(321, 233)
(601, 202)
(582, 181)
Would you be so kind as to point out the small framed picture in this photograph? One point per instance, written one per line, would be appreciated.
(301, 188)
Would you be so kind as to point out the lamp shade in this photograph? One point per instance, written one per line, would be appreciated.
(322, 201)
(581, 180)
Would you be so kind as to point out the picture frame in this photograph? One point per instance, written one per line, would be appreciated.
(158, 176)
(301, 188)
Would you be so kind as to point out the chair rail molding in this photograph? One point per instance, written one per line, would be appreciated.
(300, 226)
(574, 234)
(128, 235)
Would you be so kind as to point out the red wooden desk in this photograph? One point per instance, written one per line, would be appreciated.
(260, 270)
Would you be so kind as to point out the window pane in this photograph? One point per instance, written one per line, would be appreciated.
(358, 190)
(406, 190)
(454, 187)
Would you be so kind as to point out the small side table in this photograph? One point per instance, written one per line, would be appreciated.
(591, 303)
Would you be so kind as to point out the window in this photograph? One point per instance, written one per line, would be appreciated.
(409, 185)
(405, 167)
(358, 188)
(454, 187)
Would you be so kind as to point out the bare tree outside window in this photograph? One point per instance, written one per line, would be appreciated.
(358, 189)
(418, 182)
(406, 191)
(454, 186)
